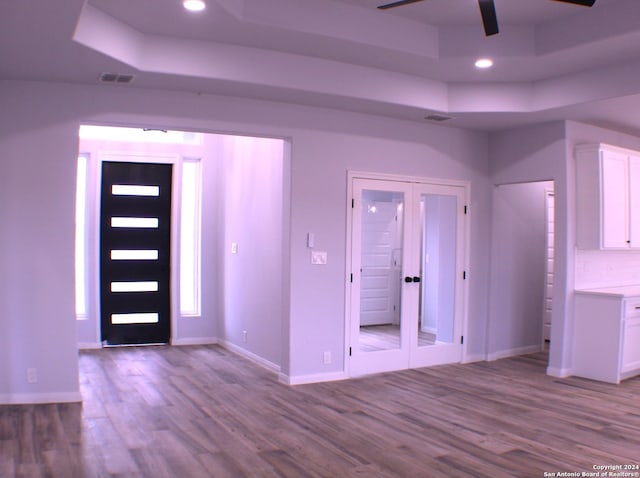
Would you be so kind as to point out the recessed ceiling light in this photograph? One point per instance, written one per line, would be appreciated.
(484, 63)
(194, 5)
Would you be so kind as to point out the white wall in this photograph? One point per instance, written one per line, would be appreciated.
(37, 216)
(39, 124)
(251, 182)
(517, 281)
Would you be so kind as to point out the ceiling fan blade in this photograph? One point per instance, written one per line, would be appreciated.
(398, 4)
(489, 18)
(586, 3)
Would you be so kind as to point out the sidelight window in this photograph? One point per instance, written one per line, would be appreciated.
(81, 238)
(190, 222)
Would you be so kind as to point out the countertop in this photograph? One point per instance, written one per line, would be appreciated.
(621, 291)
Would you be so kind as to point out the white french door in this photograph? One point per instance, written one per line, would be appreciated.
(407, 265)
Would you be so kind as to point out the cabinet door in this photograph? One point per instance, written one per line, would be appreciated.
(615, 200)
(634, 201)
(631, 345)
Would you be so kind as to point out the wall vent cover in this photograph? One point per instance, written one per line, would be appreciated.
(438, 118)
(116, 78)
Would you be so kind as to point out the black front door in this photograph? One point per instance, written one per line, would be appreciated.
(135, 240)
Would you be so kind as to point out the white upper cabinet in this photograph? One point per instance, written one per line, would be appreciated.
(608, 197)
(614, 197)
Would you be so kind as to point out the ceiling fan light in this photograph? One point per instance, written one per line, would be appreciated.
(194, 5)
(484, 63)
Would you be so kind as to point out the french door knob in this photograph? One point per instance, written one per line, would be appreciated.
(410, 279)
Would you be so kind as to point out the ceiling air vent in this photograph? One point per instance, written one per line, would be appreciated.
(116, 78)
(437, 118)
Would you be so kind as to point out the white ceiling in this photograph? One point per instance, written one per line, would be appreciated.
(552, 60)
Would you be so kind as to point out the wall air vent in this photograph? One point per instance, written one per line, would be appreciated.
(116, 78)
(437, 118)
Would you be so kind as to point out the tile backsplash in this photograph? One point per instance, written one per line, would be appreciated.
(606, 268)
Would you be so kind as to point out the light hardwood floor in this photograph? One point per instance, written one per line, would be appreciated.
(203, 412)
(387, 337)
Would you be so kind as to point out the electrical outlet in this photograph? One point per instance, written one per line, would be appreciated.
(326, 358)
(244, 336)
(32, 375)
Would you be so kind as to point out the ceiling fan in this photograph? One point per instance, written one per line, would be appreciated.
(487, 11)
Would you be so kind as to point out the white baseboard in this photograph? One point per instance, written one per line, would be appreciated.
(474, 358)
(559, 372)
(187, 341)
(250, 356)
(40, 398)
(89, 345)
(313, 378)
(195, 341)
(530, 349)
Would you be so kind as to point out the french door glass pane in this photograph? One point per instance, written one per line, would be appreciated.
(381, 270)
(438, 269)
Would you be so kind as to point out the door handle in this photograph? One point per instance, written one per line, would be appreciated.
(409, 279)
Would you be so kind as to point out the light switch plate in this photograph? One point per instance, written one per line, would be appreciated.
(319, 258)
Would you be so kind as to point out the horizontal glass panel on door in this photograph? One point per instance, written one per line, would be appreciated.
(150, 286)
(135, 222)
(134, 318)
(135, 252)
(134, 255)
(407, 293)
(135, 190)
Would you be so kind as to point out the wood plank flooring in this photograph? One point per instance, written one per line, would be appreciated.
(204, 412)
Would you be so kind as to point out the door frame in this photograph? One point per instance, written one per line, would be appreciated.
(548, 193)
(466, 185)
(94, 260)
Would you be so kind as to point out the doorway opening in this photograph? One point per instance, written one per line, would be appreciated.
(522, 268)
(215, 180)
(130, 234)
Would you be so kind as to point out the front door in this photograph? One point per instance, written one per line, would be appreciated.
(407, 291)
(135, 233)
